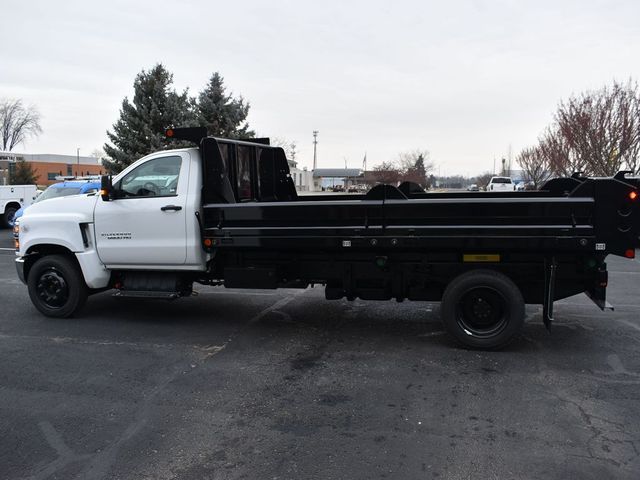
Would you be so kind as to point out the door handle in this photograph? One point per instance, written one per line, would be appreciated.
(171, 207)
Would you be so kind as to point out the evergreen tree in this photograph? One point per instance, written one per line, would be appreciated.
(140, 128)
(24, 174)
(421, 172)
(222, 115)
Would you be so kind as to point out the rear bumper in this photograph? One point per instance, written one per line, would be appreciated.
(20, 269)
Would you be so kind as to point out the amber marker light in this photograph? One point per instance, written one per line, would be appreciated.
(633, 195)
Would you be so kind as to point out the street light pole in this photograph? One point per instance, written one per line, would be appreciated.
(315, 154)
(78, 155)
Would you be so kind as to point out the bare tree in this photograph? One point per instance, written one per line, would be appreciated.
(386, 172)
(98, 153)
(290, 147)
(17, 123)
(535, 165)
(483, 180)
(415, 166)
(596, 133)
(602, 128)
(558, 154)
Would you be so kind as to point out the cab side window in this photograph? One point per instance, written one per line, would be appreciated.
(155, 178)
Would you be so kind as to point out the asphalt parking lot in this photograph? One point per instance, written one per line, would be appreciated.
(285, 385)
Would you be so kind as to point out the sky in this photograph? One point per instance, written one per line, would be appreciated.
(469, 81)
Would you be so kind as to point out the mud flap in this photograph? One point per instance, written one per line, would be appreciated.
(598, 291)
(599, 300)
(550, 267)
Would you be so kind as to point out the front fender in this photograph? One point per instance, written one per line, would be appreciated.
(95, 274)
(57, 221)
(51, 229)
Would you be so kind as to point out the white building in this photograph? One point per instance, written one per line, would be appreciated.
(302, 179)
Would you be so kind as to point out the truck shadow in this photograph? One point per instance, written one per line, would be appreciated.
(308, 316)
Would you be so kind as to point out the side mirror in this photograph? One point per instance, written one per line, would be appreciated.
(106, 187)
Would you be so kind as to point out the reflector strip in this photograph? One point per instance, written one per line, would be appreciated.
(481, 257)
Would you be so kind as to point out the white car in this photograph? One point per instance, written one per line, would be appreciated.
(501, 184)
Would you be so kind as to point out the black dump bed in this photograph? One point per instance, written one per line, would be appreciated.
(250, 201)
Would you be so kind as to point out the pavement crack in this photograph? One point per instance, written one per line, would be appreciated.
(598, 433)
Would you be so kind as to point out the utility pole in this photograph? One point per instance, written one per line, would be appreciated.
(315, 153)
(78, 155)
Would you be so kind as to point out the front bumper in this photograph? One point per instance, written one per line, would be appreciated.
(20, 269)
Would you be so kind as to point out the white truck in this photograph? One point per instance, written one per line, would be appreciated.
(12, 198)
(227, 213)
(501, 184)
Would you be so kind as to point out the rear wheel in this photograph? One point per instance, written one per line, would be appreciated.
(8, 217)
(483, 309)
(56, 286)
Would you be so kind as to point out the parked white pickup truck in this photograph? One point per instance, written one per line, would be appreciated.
(12, 198)
(501, 184)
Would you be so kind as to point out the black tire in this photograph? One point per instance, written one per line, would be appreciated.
(483, 309)
(8, 216)
(56, 286)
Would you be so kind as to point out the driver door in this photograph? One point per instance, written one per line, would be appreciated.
(145, 224)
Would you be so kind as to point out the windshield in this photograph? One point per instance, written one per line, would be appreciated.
(57, 192)
(500, 180)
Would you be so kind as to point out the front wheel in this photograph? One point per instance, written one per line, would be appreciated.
(56, 286)
(8, 218)
(483, 309)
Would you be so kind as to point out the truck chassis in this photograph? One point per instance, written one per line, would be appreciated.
(484, 255)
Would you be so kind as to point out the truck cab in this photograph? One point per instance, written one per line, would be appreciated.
(149, 220)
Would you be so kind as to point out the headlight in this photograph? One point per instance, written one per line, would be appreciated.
(16, 235)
